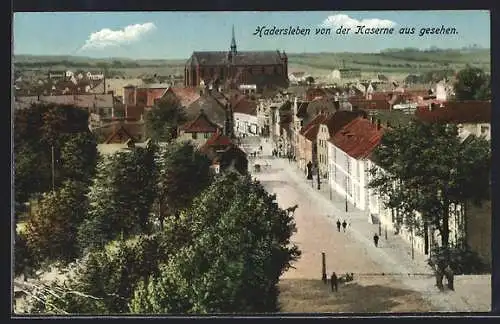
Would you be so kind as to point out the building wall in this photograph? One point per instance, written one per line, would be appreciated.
(348, 176)
(246, 124)
(194, 75)
(200, 139)
(322, 142)
(480, 129)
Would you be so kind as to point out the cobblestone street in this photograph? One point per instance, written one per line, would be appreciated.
(407, 282)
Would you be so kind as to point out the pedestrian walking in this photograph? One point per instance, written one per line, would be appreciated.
(338, 225)
(344, 225)
(334, 282)
(449, 277)
(375, 239)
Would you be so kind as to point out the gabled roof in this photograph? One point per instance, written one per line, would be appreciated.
(312, 132)
(318, 119)
(358, 138)
(212, 107)
(244, 105)
(216, 140)
(120, 133)
(185, 95)
(457, 112)
(202, 124)
(339, 119)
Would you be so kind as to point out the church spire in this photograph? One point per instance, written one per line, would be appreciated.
(233, 43)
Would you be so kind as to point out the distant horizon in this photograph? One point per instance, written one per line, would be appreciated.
(463, 48)
(175, 35)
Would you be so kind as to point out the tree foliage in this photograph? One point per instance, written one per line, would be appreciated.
(183, 173)
(103, 281)
(472, 84)
(426, 168)
(162, 121)
(237, 245)
(51, 231)
(120, 198)
(36, 131)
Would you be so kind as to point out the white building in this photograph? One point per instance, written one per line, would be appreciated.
(348, 153)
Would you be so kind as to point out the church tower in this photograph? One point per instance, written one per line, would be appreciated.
(233, 44)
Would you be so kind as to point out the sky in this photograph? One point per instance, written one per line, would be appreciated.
(175, 35)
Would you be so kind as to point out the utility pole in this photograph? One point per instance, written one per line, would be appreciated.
(323, 267)
(53, 169)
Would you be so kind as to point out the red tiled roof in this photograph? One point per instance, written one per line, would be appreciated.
(185, 95)
(121, 134)
(200, 124)
(358, 138)
(318, 119)
(312, 132)
(341, 118)
(459, 112)
(217, 139)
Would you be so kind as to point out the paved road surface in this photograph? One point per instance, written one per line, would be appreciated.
(354, 250)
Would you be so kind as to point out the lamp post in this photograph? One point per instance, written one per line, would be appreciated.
(323, 267)
(319, 177)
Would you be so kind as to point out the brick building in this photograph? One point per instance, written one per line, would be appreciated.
(265, 69)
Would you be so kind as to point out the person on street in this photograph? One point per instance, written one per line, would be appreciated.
(344, 225)
(334, 282)
(448, 272)
(338, 225)
(375, 239)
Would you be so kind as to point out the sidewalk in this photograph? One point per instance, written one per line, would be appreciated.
(394, 252)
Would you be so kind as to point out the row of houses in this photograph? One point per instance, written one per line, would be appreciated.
(338, 138)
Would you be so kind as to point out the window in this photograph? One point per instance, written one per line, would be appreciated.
(207, 135)
(194, 136)
(484, 129)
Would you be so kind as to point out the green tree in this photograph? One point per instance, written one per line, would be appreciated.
(162, 121)
(79, 156)
(472, 84)
(51, 231)
(102, 282)
(445, 172)
(183, 173)
(239, 247)
(120, 198)
(36, 131)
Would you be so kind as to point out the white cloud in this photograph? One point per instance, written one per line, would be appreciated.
(107, 37)
(346, 21)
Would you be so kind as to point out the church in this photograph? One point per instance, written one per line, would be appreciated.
(234, 69)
